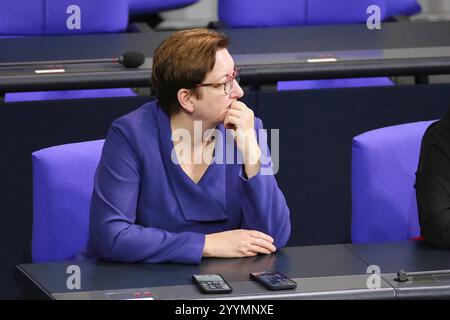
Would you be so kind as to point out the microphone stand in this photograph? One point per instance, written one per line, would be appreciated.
(56, 62)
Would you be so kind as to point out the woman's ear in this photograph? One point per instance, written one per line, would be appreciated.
(185, 100)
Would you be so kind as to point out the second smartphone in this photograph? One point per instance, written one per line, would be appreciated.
(273, 280)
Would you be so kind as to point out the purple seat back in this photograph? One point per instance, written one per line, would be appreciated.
(24, 17)
(403, 7)
(63, 179)
(138, 7)
(37, 17)
(269, 13)
(384, 163)
(342, 11)
(68, 17)
(262, 13)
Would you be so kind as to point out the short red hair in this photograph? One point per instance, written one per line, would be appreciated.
(182, 61)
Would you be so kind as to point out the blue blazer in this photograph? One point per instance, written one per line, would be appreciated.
(144, 207)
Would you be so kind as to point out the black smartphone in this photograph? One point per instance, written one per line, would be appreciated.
(211, 283)
(273, 280)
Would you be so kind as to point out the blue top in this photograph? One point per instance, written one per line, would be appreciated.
(145, 208)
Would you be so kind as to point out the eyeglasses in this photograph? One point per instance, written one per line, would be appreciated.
(227, 85)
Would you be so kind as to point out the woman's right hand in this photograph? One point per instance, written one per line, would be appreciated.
(237, 243)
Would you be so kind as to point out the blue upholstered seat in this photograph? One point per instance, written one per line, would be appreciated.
(32, 17)
(281, 13)
(269, 13)
(384, 162)
(63, 179)
(63, 17)
(140, 7)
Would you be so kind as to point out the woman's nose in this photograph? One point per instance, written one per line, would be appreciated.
(236, 91)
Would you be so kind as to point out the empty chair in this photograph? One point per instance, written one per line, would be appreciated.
(355, 11)
(63, 17)
(268, 13)
(384, 162)
(50, 17)
(141, 7)
(262, 13)
(63, 179)
(402, 7)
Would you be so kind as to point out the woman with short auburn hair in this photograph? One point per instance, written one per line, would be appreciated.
(158, 197)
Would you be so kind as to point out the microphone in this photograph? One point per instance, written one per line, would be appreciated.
(130, 59)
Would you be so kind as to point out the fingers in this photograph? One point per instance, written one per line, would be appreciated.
(231, 119)
(234, 116)
(240, 116)
(250, 253)
(239, 243)
(234, 112)
(253, 250)
(241, 108)
(230, 126)
(258, 234)
(238, 105)
(264, 244)
(261, 242)
(231, 123)
(239, 111)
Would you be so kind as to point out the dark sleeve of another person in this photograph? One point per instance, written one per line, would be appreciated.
(433, 184)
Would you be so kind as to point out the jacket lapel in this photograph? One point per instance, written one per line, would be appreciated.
(193, 201)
